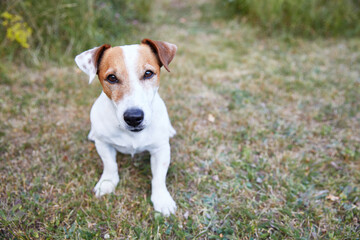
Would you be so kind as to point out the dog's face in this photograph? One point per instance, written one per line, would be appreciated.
(130, 77)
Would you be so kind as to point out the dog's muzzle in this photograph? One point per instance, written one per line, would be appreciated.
(133, 118)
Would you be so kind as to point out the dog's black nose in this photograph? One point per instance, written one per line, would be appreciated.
(134, 117)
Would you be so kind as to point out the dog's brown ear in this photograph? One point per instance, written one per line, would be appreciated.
(164, 50)
(89, 60)
(98, 55)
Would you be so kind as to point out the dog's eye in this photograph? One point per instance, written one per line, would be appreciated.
(112, 79)
(148, 74)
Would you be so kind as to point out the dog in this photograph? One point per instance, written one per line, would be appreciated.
(129, 116)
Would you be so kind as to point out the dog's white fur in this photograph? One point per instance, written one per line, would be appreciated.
(110, 133)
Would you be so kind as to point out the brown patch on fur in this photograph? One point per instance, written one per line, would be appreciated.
(164, 51)
(148, 57)
(112, 62)
(99, 53)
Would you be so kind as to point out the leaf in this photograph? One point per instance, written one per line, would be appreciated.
(211, 118)
(332, 198)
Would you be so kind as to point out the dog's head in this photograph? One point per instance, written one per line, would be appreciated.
(130, 77)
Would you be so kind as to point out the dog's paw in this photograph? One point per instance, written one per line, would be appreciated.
(105, 186)
(163, 203)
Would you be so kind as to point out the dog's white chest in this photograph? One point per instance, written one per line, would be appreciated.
(128, 149)
(105, 127)
(128, 145)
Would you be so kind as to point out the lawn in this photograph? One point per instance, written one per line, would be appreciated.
(267, 144)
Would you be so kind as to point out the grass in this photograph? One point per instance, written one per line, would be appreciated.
(267, 146)
(300, 17)
(60, 29)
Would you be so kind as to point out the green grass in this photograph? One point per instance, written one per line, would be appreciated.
(297, 17)
(267, 145)
(63, 28)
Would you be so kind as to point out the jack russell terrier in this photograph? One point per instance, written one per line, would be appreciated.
(129, 116)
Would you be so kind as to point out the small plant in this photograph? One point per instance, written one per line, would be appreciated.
(16, 29)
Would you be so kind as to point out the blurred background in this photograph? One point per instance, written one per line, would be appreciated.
(33, 30)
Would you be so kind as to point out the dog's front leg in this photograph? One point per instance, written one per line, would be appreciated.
(110, 177)
(160, 160)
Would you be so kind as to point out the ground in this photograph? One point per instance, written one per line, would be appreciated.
(267, 146)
